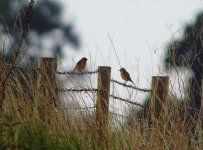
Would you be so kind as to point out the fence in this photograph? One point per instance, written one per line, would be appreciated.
(48, 71)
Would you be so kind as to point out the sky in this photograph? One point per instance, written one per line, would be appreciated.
(128, 33)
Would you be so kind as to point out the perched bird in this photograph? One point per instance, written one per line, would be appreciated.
(125, 75)
(81, 64)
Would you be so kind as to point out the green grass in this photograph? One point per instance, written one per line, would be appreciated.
(35, 135)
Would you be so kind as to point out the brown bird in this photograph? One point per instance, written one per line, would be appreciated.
(81, 64)
(125, 75)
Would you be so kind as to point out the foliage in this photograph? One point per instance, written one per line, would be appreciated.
(188, 53)
(46, 21)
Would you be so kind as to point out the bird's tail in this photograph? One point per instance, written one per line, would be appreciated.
(74, 69)
(132, 82)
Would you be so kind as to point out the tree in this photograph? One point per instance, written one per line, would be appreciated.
(19, 21)
(188, 52)
(46, 20)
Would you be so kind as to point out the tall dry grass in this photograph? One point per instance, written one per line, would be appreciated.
(28, 121)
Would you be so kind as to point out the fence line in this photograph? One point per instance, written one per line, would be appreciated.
(77, 90)
(78, 108)
(78, 73)
(130, 86)
(90, 89)
(125, 100)
(47, 73)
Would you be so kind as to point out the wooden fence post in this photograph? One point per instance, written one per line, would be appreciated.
(158, 103)
(47, 84)
(102, 105)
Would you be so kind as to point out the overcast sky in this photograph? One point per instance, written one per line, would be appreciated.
(139, 29)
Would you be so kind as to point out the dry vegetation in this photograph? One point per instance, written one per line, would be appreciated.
(28, 121)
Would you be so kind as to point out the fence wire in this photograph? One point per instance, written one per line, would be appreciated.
(87, 89)
(79, 108)
(77, 90)
(130, 86)
(58, 72)
(128, 101)
(77, 73)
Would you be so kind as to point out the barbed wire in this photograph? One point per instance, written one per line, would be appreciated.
(78, 108)
(125, 100)
(77, 90)
(78, 73)
(130, 86)
(58, 72)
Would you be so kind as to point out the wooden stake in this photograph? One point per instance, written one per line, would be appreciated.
(47, 84)
(102, 108)
(158, 104)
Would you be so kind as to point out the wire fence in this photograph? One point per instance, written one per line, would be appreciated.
(130, 86)
(94, 89)
(98, 114)
(79, 108)
(125, 100)
(86, 89)
(47, 67)
(77, 73)
(77, 90)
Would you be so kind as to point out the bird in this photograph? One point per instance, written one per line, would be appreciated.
(125, 75)
(81, 64)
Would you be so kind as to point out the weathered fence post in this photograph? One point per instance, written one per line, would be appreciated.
(47, 84)
(158, 103)
(102, 105)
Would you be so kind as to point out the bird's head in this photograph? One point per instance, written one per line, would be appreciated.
(84, 58)
(122, 70)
